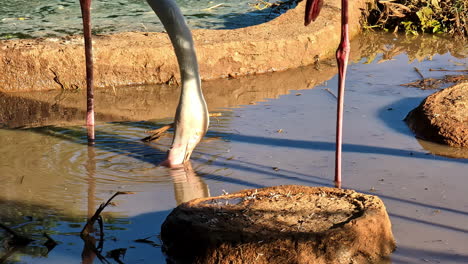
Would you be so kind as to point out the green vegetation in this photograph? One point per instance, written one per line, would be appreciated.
(419, 16)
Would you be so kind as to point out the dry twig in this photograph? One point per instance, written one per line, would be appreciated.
(97, 214)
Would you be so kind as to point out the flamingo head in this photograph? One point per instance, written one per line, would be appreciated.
(191, 124)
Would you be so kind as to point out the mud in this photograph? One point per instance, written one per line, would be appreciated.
(443, 116)
(443, 149)
(156, 102)
(148, 58)
(283, 224)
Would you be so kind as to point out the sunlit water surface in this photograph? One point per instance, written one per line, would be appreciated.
(51, 180)
(54, 18)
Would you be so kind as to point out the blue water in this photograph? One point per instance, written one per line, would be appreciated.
(54, 18)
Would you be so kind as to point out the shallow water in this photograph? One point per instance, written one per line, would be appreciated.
(54, 18)
(275, 129)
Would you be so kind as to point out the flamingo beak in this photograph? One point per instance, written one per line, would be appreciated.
(177, 156)
(189, 131)
(168, 163)
(313, 8)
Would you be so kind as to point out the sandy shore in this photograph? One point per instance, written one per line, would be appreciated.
(147, 58)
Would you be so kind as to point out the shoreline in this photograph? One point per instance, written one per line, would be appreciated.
(133, 58)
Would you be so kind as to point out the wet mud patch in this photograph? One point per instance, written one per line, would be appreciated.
(443, 117)
(284, 224)
(443, 150)
(436, 83)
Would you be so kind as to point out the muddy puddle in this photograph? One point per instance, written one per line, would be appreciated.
(272, 129)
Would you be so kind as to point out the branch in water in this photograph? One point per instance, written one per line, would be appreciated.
(97, 214)
(16, 240)
(157, 133)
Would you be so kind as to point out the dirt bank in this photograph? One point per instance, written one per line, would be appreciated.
(145, 102)
(443, 116)
(283, 224)
(148, 58)
(136, 103)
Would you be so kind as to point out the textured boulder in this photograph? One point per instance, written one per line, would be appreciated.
(443, 116)
(284, 224)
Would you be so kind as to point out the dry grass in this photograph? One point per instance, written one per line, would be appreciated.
(420, 16)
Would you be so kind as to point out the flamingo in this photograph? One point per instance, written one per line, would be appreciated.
(313, 8)
(191, 120)
(86, 15)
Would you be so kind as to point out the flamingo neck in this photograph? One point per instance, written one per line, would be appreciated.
(182, 41)
(191, 120)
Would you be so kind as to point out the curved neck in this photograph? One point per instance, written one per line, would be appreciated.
(181, 38)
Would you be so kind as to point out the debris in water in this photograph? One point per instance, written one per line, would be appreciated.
(97, 214)
(147, 241)
(330, 92)
(50, 243)
(448, 70)
(419, 72)
(116, 254)
(213, 7)
(157, 133)
(433, 83)
(15, 240)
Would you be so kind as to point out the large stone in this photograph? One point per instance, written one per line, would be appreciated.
(148, 58)
(443, 116)
(284, 224)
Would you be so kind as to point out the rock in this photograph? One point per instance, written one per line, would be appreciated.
(443, 116)
(284, 224)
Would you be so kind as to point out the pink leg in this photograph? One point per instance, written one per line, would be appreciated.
(342, 55)
(86, 14)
